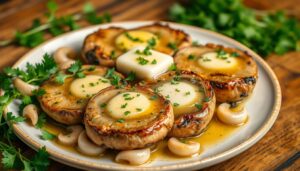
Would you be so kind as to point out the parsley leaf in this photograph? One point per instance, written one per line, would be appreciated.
(47, 135)
(40, 160)
(130, 77)
(60, 78)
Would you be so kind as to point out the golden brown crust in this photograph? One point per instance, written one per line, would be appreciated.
(131, 134)
(191, 124)
(98, 46)
(229, 87)
(60, 104)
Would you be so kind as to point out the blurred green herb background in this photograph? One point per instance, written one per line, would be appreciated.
(262, 32)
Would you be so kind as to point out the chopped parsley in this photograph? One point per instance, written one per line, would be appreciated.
(175, 104)
(221, 54)
(134, 39)
(126, 113)
(103, 105)
(113, 54)
(138, 109)
(177, 90)
(172, 45)
(187, 93)
(121, 120)
(142, 61)
(191, 57)
(124, 105)
(154, 62)
(234, 54)
(130, 77)
(128, 98)
(198, 106)
(113, 77)
(172, 67)
(154, 97)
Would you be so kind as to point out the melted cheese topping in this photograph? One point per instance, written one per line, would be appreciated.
(211, 61)
(129, 105)
(183, 95)
(88, 86)
(131, 39)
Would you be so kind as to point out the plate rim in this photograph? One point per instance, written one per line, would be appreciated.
(205, 162)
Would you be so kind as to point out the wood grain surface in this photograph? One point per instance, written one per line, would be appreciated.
(279, 149)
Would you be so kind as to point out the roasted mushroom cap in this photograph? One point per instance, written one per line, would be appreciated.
(102, 47)
(192, 98)
(61, 104)
(231, 84)
(108, 122)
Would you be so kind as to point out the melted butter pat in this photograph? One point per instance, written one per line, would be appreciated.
(183, 95)
(129, 105)
(211, 61)
(88, 86)
(131, 39)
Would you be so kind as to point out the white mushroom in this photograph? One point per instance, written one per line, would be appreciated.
(64, 54)
(183, 149)
(230, 116)
(87, 147)
(66, 65)
(31, 112)
(64, 57)
(72, 137)
(134, 157)
(23, 87)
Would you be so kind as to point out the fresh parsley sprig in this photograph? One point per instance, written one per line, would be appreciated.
(75, 70)
(264, 33)
(55, 25)
(12, 157)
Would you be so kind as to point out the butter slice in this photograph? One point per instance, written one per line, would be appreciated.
(128, 62)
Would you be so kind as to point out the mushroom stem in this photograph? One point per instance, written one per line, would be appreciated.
(134, 157)
(23, 87)
(72, 137)
(235, 116)
(31, 112)
(183, 149)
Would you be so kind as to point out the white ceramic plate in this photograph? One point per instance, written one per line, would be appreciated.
(263, 108)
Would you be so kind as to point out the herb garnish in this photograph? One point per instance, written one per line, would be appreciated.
(142, 61)
(191, 57)
(172, 46)
(126, 113)
(264, 33)
(134, 39)
(198, 106)
(55, 25)
(124, 105)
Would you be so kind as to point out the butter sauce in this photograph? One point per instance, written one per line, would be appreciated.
(215, 133)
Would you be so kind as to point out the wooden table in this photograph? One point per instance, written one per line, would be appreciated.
(278, 149)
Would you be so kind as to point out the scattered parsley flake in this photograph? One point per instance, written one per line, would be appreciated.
(175, 104)
(154, 61)
(191, 57)
(198, 106)
(124, 105)
(142, 61)
(47, 135)
(126, 113)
